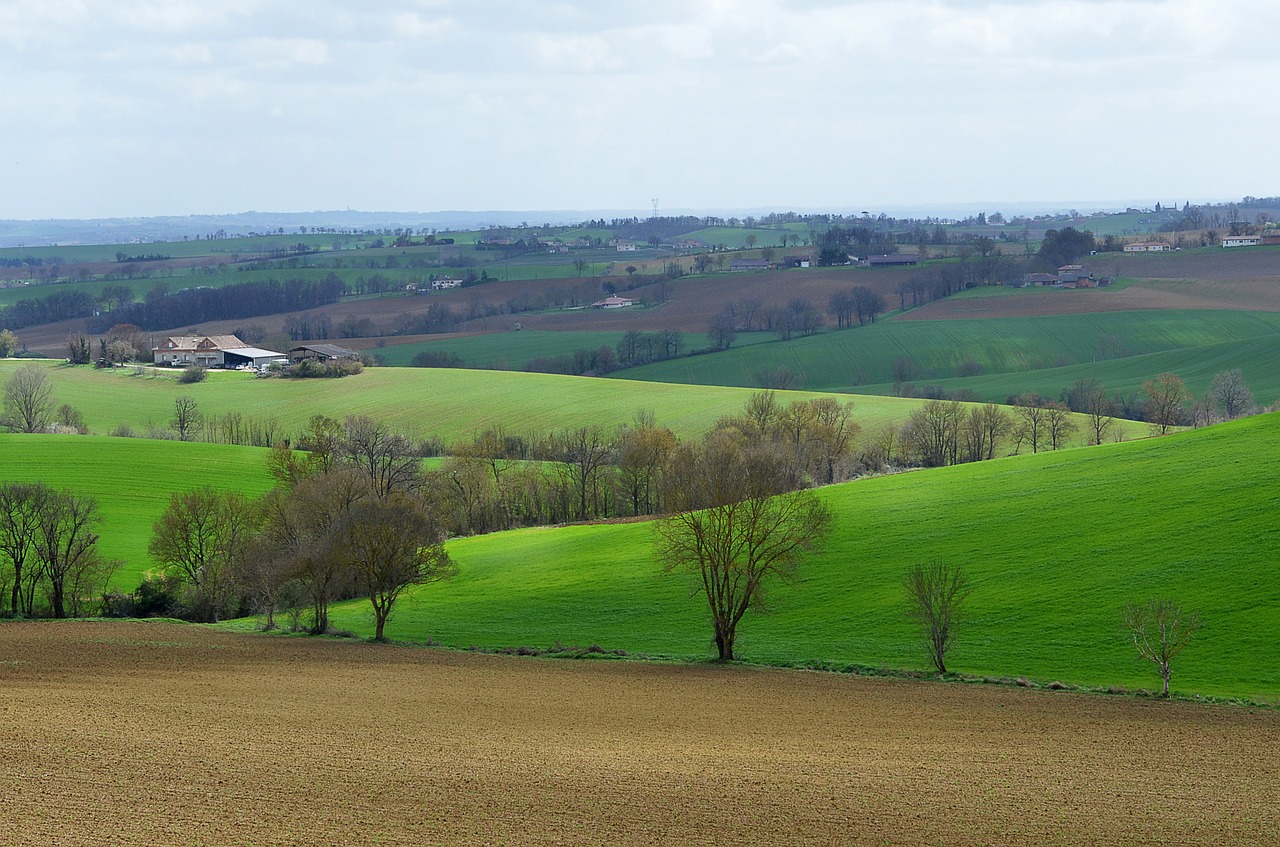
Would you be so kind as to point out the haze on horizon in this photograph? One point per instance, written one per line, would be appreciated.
(140, 108)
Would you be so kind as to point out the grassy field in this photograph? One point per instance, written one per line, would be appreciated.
(1254, 357)
(132, 480)
(420, 401)
(433, 747)
(937, 350)
(1055, 545)
(504, 349)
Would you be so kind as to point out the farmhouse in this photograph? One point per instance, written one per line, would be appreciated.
(1146, 247)
(748, 265)
(206, 350)
(626, 246)
(893, 260)
(445, 282)
(613, 301)
(320, 353)
(1241, 241)
(1072, 274)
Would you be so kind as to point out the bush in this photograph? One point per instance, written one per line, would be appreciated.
(193, 373)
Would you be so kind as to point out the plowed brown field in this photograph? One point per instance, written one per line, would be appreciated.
(153, 733)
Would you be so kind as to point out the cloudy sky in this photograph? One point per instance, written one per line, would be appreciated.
(150, 107)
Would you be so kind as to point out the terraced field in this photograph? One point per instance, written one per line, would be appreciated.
(149, 733)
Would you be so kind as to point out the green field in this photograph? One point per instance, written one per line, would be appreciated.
(1054, 544)
(507, 350)
(132, 480)
(939, 350)
(422, 402)
(1254, 357)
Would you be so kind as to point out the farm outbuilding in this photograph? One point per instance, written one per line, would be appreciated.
(254, 357)
(320, 353)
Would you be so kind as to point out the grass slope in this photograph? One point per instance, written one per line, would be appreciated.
(1254, 357)
(943, 349)
(1055, 544)
(132, 480)
(422, 401)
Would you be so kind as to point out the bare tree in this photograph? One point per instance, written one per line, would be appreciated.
(935, 598)
(385, 457)
(66, 544)
(20, 507)
(202, 536)
(1231, 394)
(736, 527)
(1160, 631)
(28, 400)
(1031, 420)
(1167, 399)
(186, 418)
(1058, 423)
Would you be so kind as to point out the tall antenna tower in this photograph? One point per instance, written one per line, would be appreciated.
(655, 207)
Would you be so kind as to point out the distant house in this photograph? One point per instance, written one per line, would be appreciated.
(445, 282)
(557, 247)
(690, 244)
(797, 261)
(626, 246)
(320, 353)
(1241, 241)
(206, 350)
(613, 301)
(1072, 274)
(1146, 247)
(748, 265)
(893, 260)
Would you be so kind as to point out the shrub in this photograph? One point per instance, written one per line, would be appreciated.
(193, 373)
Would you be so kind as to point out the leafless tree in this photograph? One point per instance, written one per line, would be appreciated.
(1160, 631)
(1231, 394)
(20, 507)
(1167, 399)
(386, 458)
(66, 543)
(28, 400)
(186, 418)
(1032, 420)
(736, 526)
(1059, 424)
(981, 431)
(935, 599)
(203, 536)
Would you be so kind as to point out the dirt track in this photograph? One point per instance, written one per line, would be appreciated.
(153, 733)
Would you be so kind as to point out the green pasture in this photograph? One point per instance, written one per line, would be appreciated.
(1055, 544)
(246, 247)
(736, 236)
(508, 350)
(939, 350)
(132, 480)
(444, 402)
(1255, 358)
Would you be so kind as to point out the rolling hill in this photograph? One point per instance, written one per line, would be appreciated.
(1055, 545)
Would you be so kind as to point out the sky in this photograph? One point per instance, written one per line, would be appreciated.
(118, 108)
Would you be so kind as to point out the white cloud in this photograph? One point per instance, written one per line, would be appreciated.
(584, 103)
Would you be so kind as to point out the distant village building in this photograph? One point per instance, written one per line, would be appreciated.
(445, 282)
(1071, 275)
(1241, 241)
(1040, 279)
(626, 246)
(797, 261)
(748, 265)
(1146, 247)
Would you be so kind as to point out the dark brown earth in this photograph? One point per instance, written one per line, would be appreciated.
(156, 733)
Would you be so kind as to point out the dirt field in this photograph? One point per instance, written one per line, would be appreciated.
(154, 733)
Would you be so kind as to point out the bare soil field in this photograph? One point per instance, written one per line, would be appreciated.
(156, 733)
